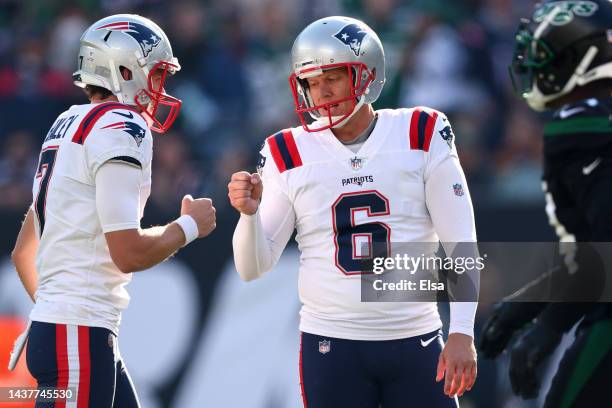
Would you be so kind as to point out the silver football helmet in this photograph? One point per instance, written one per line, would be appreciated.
(135, 43)
(329, 43)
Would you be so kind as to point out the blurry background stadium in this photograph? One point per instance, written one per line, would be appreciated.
(195, 335)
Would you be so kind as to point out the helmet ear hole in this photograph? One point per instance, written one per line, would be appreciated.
(125, 73)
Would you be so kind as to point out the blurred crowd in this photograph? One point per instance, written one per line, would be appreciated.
(235, 57)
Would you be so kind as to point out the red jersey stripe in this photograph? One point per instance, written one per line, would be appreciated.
(93, 116)
(84, 368)
(431, 123)
(414, 129)
(292, 147)
(276, 155)
(61, 354)
(301, 374)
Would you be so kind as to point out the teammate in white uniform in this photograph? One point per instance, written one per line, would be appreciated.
(81, 239)
(354, 176)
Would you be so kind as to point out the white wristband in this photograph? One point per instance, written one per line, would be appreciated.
(189, 227)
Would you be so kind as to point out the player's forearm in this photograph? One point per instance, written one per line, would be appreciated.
(462, 316)
(24, 255)
(117, 203)
(252, 252)
(159, 243)
(464, 289)
(26, 269)
(150, 247)
(450, 206)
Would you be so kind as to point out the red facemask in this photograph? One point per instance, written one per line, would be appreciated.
(360, 78)
(159, 98)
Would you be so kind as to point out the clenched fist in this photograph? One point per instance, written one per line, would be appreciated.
(245, 192)
(202, 211)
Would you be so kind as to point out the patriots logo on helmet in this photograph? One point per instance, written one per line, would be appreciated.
(351, 35)
(131, 128)
(146, 38)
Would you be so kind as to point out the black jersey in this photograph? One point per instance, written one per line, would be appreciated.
(580, 126)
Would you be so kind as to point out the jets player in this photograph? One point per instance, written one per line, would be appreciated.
(81, 239)
(358, 174)
(563, 63)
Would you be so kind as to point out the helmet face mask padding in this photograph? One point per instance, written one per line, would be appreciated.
(564, 47)
(128, 42)
(332, 43)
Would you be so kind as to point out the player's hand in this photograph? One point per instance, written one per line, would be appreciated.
(457, 365)
(245, 192)
(499, 329)
(530, 351)
(202, 211)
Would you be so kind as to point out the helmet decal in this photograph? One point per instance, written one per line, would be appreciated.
(145, 37)
(565, 11)
(351, 35)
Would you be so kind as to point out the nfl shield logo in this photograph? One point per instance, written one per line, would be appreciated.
(324, 346)
(458, 188)
(356, 163)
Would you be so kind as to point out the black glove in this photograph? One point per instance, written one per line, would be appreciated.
(530, 350)
(507, 318)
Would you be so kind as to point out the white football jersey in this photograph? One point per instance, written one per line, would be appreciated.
(78, 283)
(340, 200)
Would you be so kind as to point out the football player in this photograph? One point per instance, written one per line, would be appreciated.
(563, 63)
(81, 239)
(358, 175)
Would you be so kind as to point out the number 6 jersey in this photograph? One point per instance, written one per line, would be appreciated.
(405, 184)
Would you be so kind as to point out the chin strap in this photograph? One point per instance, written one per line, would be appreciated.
(345, 120)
